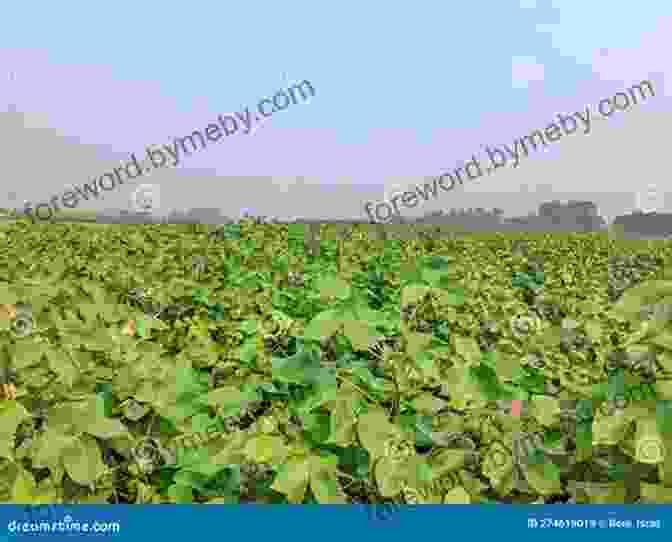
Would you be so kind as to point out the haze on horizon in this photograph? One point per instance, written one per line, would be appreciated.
(71, 113)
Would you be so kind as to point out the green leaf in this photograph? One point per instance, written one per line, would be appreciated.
(227, 398)
(141, 327)
(202, 422)
(323, 480)
(649, 444)
(374, 430)
(361, 335)
(99, 340)
(467, 348)
(343, 419)
(89, 311)
(584, 441)
(362, 312)
(435, 269)
(457, 495)
(266, 449)
(187, 380)
(366, 376)
(546, 410)
(603, 493)
(7, 295)
(247, 352)
(616, 385)
(26, 354)
(584, 411)
(486, 378)
(180, 494)
(323, 326)
(334, 286)
(193, 458)
(185, 407)
(354, 461)
(427, 364)
(423, 430)
(249, 327)
(413, 294)
(664, 417)
(11, 415)
(301, 368)
(536, 457)
(437, 263)
(390, 477)
(417, 342)
(194, 480)
(531, 380)
(507, 366)
(462, 387)
(200, 296)
(316, 425)
(655, 494)
(427, 403)
(292, 479)
(50, 446)
(651, 290)
(447, 460)
(552, 439)
(617, 472)
(664, 340)
(106, 428)
(23, 490)
(593, 330)
(664, 359)
(453, 297)
(544, 478)
(418, 471)
(83, 461)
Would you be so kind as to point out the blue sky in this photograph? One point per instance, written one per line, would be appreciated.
(402, 92)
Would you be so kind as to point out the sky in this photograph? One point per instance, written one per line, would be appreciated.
(403, 93)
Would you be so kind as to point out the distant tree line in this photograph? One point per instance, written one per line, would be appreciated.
(582, 216)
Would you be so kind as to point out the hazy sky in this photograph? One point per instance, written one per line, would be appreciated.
(402, 92)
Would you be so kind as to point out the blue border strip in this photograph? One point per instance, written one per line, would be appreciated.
(337, 523)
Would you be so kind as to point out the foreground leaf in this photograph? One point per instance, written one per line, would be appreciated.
(83, 461)
(324, 481)
(375, 431)
(457, 495)
(293, 478)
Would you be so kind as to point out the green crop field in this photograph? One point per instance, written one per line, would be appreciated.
(296, 364)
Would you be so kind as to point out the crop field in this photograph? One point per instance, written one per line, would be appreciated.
(289, 363)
